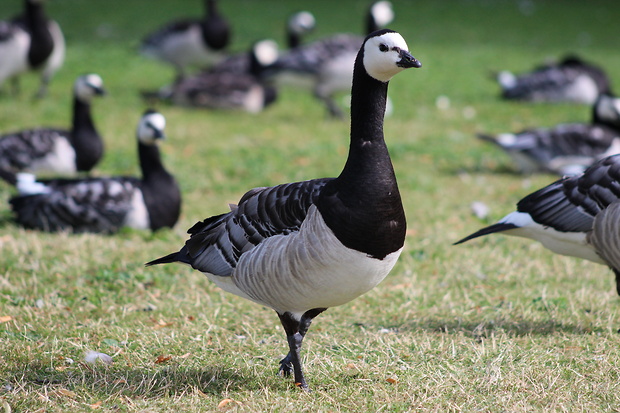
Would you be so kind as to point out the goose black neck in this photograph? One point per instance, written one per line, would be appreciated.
(215, 29)
(368, 103)
(84, 137)
(363, 206)
(41, 44)
(210, 7)
(150, 162)
(293, 39)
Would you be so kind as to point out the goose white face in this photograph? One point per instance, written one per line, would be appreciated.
(151, 128)
(88, 86)
(382, 12)
(266, 52)
(302, 22)
(608, 109)
(383, 56)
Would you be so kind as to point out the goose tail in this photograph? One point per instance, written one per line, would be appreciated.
(499, 227)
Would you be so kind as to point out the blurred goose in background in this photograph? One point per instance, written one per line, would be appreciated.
(578, 216)
(302, 247)
(298, 25)
(190, 42)
(31, 41)
(570, 80)
(106, 204)
(239, 88)
(569, 148)
(52, 150)
(326, 65)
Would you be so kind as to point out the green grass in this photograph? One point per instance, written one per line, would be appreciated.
(496, 325)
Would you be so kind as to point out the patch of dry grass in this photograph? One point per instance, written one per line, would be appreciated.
(499, 324)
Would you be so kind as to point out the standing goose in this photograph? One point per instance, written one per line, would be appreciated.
(578, 216)
(190, 42)
(568, 148)
(31, 42)
(59, 151)
(104, 205)
(326, 65)
(570, 80)
(302, 247)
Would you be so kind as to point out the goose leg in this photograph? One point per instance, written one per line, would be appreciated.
(295, 332)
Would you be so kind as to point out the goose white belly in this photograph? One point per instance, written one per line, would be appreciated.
(14, 52)
(305, 270)
(138, 215)
(573, 244)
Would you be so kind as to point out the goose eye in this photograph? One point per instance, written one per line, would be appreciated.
(383, 47)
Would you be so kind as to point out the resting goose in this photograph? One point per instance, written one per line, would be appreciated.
(106, 204)
(238, 88)
(578, 216)
(302, 247)
(568, 148)
(59, 151)
(326, 65)
(570, 80)
(190, 42)
(31, 42)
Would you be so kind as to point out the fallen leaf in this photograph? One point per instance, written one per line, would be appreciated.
(5, 318)
(224, 404)
(162, 359)
(97, 405)
(391, 380)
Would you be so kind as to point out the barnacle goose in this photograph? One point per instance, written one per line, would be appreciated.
(578, 216)
(190, 42)
(105, 204)
(226, 89)
(569, 80)
(298, 25)
(31, 42)
(326, 65)
(568, 148)
(60, 151)
(302, 247)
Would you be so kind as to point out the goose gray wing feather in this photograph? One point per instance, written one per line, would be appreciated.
(310, 58)
(605, 236)
(217, 243)
(20, 149)
(571, 203)
(92, 205)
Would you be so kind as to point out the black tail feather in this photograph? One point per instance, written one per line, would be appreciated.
(168, 259)
(499, 227)
(487, 138)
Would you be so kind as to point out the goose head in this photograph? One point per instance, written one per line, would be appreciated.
(385, 53)
(607, 110)
(151, 127)
(380, 15)
(87, 86)
(262, 54)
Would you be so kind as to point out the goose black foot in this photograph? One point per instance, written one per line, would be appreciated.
(286, 366)
(295, 332)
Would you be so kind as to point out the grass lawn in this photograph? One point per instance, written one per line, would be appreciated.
(495, 325)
